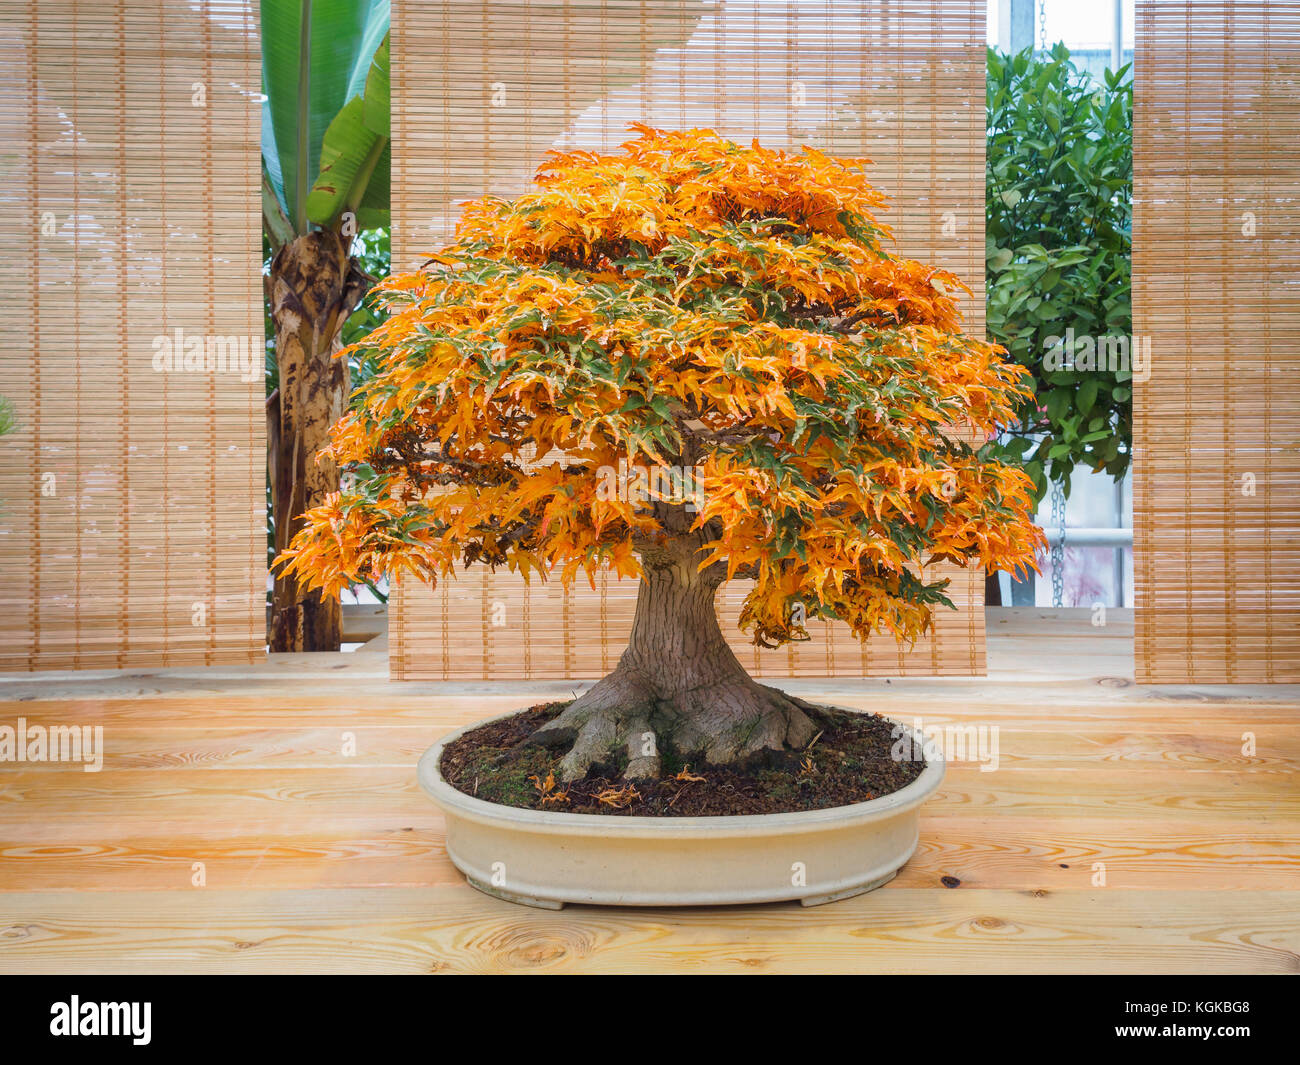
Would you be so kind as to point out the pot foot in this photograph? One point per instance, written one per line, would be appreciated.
(515, 897)
(848, 893)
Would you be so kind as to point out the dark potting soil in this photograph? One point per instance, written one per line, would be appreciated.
(849, 762)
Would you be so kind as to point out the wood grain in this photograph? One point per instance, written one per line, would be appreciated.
(454, 929)
(317, 860)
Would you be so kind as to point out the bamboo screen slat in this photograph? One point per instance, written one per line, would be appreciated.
(482, 90)
(132, 513)
(1216, 288)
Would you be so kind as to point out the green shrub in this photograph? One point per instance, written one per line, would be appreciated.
(1059, 188)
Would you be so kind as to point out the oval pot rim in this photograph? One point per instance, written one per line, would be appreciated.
(468, 807)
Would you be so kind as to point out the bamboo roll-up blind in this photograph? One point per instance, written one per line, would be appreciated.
(1216, 289)
(482, 90)
(132, 495)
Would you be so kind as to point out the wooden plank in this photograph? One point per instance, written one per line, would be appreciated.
(1215, 745)
(343, 791)
(448, 706)
(455, 929)
(1011, 853)
(316, 860)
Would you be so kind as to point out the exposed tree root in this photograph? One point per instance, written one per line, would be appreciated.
(678, 684)
(719, 722)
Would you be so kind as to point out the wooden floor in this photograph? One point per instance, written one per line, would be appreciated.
(314, 861)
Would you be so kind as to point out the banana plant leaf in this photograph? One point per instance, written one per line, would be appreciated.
(307, 78)
(355, 156)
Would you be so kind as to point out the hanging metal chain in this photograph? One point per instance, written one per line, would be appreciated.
(1042, 26)
(1057, 554)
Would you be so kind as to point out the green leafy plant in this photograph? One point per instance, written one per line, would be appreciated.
(325, 178)
(325, 115)
(1059, 188)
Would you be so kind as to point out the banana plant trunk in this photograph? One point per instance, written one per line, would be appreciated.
(315, 285)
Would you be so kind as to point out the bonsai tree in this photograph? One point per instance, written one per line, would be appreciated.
(689, 361)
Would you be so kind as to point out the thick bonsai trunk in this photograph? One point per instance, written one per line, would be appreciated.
(315, 285)
(678, 684)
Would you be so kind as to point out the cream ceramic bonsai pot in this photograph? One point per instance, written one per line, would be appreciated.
(541, 858)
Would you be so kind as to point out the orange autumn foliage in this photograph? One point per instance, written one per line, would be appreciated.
(728, 320)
